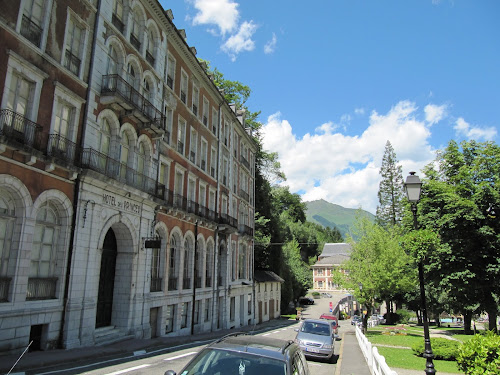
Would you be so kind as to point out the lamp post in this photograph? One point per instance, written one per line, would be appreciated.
(362, 312)
(413, 187)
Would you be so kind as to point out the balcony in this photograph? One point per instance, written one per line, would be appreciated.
(155, 284)
(244, 195)
(61, 148)
(31, 31)
(19, 130)
(172, 283)
(101, 163)
(192, 207)
(40, 288)
(117, 91)
(245, 162)
(4, 288)
(225, 219)
(72, 62)
(179, 202)
(117, 23)
(245, 229)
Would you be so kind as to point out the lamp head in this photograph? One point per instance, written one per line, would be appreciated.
(413, 187)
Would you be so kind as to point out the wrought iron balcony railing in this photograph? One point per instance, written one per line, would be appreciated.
(156, 284)
(4, 288)
(41, 288)
(116, 89)
(31, 31)
(18, 129)
(226, 219)
(172, 283)
(72, 62)
(116, 170)
(61, 148)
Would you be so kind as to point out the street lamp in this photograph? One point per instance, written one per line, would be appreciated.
(413, 187)
(360, 285)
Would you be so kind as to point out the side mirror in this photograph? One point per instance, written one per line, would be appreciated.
(170, 372)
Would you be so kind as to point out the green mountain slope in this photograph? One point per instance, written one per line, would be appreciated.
(332, 215)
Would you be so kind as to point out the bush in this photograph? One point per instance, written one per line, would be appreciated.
(316, 295)
(480, 355)
(403, 316)
(444, 349)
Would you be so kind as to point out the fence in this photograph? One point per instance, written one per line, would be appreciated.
(376, 362)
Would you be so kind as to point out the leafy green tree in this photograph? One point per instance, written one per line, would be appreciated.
(390, 193)
(378, 263)
(460, 200)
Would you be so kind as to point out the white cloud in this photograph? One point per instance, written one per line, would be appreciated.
(222, 13)
(242, 41)
(271, 45)
(463, 128)
(435, 113)
(359, 111)
(345, 169)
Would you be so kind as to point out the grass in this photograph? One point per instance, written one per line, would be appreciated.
(404, 358)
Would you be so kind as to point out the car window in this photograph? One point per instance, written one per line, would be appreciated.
(299, 365)
(224, 362)
(316, 328)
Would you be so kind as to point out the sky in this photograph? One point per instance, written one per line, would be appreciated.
(336, 79)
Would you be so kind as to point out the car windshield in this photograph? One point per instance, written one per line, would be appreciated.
(316, 328)
(225, 362)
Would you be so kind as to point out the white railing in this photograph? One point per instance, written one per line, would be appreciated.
(376, 362)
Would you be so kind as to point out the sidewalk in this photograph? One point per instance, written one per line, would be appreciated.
(350, 361)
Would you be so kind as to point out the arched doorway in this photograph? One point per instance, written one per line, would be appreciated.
(106, 281)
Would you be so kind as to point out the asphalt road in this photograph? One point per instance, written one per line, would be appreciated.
(157, 364)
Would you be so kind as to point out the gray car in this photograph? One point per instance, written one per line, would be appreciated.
(316, 339)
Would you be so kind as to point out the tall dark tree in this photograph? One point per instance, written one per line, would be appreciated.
(390, 193)
(461, 200)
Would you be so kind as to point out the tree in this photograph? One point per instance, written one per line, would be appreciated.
(460, 200)
(295, 272)
(378, 263)
(390, 193)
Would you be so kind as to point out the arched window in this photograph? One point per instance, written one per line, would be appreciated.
(186, 284)
(105, 141)
(156, 274)
(243, 262)
(7, 218)
(112, 61)
(150, 48)
(172, 263)
(198, 258)
(208, 265)
(141, 159)
(135, 31)
(124, 149)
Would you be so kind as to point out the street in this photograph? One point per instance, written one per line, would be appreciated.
(157, 362)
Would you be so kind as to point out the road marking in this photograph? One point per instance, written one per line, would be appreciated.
(266, 334)
(128, 370)
(180, 356)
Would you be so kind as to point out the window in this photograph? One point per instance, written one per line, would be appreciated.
(184, 87)
(211, 200)
(172, 263)
(168, 118)
(202, 198)
(225, 172)
(203, 154)
(232, 309)
(32, 23)
(117, 18)
(178, 188)
(226, 132)
(141, 159)
(249, 299)
(170, 72)
(20, 96)
(181, 136)
(215, 120)
(156, 280)
(208, 265)
(7, 219)
(198, 258)
(64, 122)
(234, 261)
(135, 31)
(186, 272)
(184, 314)
(243, 262)
(104, 143)
(112, 62)
(193, 146)
(206, 107)
(150, 48)
(196, 316)
(208, 303)
(124, 154)
(169, 326)
(213, 162)
(75, 40)
(196, 99)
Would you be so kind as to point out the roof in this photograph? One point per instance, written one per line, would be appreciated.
(332, 260)
(332, 249)
(267, 276)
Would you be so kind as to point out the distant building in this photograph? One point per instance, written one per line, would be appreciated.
(333, 255)
(267, 296)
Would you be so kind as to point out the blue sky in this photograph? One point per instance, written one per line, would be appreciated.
(335, 80)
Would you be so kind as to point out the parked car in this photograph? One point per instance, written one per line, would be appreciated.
(356, 319)
(334, 321)
(316, 339)
(239, 353)
(326, 295)
(306, 301)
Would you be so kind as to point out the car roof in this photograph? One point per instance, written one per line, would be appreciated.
(257, 345)
(319, 321)
(328, 316)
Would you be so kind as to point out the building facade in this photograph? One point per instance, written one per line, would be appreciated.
(267, 296)
(332, 257)
(126, 180)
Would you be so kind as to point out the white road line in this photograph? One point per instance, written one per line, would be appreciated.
(128, 370)
(180, 356)
(266, 334)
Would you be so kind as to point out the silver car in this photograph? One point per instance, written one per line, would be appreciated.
(316, 339)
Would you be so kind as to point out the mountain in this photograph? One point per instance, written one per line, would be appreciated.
(334, 216)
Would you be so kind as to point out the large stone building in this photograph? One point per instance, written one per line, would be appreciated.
(332, 257)
(126, 180)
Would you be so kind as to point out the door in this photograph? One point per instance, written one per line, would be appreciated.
(153, 321)
(106, 281)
